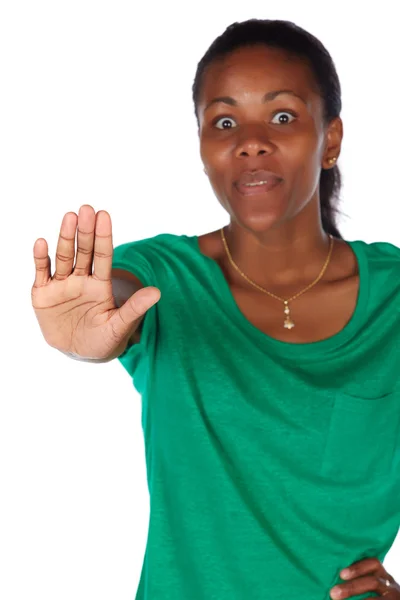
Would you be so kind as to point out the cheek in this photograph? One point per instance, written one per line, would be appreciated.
(221, 179)
(217, 154)
(306, 177)
(222, 189)
(218, 187)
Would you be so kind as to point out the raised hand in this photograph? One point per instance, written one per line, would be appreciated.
(75, 307)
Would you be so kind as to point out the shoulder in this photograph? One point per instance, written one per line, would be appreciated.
(142, 252)
(379, 254)
(148, 261)
(146, 244)
(381, 263)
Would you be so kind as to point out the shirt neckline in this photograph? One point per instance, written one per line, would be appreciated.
(314, 349)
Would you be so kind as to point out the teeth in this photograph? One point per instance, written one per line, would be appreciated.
(258, 183)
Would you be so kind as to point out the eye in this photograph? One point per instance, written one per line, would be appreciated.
(224, 120)
(285, 112)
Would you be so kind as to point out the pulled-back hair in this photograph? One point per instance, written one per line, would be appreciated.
(296, 41)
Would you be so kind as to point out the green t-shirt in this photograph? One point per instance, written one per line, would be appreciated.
(271, 466)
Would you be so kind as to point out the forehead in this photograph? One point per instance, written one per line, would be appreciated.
(258, 69)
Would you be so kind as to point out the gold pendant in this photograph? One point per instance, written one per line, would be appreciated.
(288, 324)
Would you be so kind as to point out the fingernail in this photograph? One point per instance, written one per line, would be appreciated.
(345, 573)
(336, 592)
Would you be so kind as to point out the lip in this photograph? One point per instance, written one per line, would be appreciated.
(255, 176)
(258, 189)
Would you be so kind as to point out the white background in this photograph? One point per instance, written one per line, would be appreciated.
(95, 107)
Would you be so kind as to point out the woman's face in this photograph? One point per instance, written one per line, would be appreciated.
(283, 134)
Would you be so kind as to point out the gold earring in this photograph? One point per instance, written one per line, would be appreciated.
(332, 160)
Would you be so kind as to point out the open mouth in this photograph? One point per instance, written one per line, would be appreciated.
(250, 189)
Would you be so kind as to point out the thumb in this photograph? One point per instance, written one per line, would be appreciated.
(135, 307)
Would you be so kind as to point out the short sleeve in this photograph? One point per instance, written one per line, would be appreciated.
(136, 258)
(132, 257)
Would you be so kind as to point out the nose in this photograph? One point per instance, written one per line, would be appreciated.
(253, 144)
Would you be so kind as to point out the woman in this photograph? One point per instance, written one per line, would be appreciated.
(269, 369)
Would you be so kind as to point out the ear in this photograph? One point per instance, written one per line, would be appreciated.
(334, 136)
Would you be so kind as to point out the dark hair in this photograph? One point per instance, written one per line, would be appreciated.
(296, 41)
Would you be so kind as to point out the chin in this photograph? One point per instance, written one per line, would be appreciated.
(258, 223)
(258, 213)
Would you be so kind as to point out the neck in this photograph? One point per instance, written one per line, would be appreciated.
(276, 258)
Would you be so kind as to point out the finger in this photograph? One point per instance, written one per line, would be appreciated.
(135, 307)
(85, 238)
(362, 567)
(42, 262)
(103, 247)
(385, 589)
(355, 587)
(65, 252)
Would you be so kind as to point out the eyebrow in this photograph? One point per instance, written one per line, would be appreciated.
(266, 98)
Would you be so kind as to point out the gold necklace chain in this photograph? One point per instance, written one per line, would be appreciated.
(288, 324)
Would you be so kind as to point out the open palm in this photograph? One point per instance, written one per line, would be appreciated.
(75, 307)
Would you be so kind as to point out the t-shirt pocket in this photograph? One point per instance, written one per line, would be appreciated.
(363, 439)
